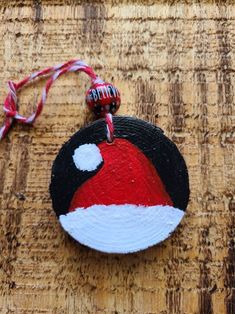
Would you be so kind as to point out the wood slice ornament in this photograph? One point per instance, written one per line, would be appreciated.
(119, 185)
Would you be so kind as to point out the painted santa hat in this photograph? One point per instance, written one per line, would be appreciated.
(124, 196)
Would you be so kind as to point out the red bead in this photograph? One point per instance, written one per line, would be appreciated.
(103, 98)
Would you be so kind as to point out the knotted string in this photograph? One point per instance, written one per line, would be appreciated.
(10, 104)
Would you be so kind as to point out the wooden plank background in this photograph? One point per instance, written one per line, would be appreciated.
(174, 65)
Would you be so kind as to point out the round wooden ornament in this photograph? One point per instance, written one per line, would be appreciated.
(124, 196)
(119, 185)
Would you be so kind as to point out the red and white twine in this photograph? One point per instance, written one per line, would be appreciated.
(110, 127)
(10, 103)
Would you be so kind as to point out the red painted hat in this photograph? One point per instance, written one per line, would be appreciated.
(126, 177)
(124, 196)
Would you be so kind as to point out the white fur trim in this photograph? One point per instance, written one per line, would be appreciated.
(87, 157)
(121, 228)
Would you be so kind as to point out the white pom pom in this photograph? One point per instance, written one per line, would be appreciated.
(87, 157)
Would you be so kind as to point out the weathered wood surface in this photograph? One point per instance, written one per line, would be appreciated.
(174, 64)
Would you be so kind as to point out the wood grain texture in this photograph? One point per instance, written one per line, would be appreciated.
(174, 65)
